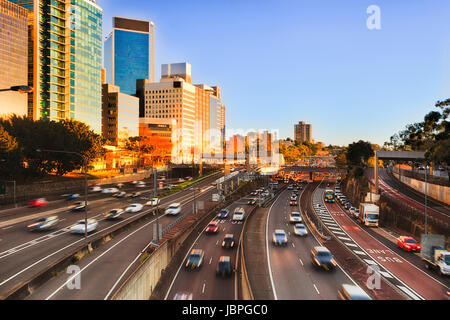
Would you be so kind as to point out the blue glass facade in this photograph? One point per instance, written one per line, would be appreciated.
(131, 59)
(107, 62)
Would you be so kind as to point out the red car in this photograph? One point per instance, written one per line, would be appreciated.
(213, 227)
(408, 244)
(37, 202)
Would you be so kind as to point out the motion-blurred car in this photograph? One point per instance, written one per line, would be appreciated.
(113, 214)
(134, 207)
(300, 230)
(293, 202)
(279, 238)
(173, 209)
(79, 227)
(355, 213)
(295, 217)
(251, 202)
(119, 185)
(43, 224)
(183, 295)
(408, 244)
(224, 267)
(290, 187)
(153, 202)
(110, 190)
(223, 214)
(95, 189)
(212, 227)
(352, 210)
(195, 259)
(135, 194)
(352, 292)
(228, 241)
(79, 205)
(120, 194)
(347, 206)
(321, 257)
(72, 196)
(40, 202)
(140, 184)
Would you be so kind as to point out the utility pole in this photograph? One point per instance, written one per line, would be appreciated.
(426, 194)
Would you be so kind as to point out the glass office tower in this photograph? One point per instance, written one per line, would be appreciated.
(65, 50)
(129, 53)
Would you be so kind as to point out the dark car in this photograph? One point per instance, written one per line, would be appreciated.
(223, 214)
(73, 196)
(228, 241)
(251, 202)
(321, 257)
(293, 202)
(195, 259)
(224, 267)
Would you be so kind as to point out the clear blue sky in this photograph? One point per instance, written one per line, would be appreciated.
(280, 62)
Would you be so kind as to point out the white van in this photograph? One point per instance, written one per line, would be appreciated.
(238, 214)
(173, 209)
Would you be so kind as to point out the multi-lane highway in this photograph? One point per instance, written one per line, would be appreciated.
(410, 279)
(292, 274)
(203, 282)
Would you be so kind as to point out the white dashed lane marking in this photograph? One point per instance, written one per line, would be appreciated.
(350, 244)
(359, 252)
(369, 261)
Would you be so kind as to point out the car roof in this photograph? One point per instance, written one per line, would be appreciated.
(196, 251)
(300, 225)
(229, 235)
(279, 231)
(224, 259)
(174, 204)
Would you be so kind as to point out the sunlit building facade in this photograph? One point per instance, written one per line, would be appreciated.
(197, 110)
(13, 57)
(65, 60)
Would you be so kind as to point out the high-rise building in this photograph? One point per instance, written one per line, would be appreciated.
(303, 132)
(129, 53)
(65, 60)
(120, 115)
(197, 109)
(13, 57)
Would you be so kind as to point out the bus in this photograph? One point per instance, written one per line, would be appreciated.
(329, 195)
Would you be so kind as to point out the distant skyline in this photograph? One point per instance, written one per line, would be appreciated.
(281, 62)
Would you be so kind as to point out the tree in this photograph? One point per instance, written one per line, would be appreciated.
(9, 154)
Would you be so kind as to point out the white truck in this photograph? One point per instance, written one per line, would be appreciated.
(434, 253)
(369, 214)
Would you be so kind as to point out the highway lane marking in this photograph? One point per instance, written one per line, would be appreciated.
(359, 252)
(210, 260)
(350, 244)
(203, 289)
(217, 242)
(339, 232)
(293, 245)
(301, 261)
(5, 228)
(316, 289)
(335, 228)
(385, 274)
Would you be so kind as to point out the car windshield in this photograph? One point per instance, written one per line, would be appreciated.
(300, 227)
(295, 214)
(323, 254)
(172, 206)
(372, 216)
(410, 241)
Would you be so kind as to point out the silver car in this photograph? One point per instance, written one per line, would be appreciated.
(300, 229)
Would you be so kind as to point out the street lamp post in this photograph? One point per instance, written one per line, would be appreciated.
(85, 182)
